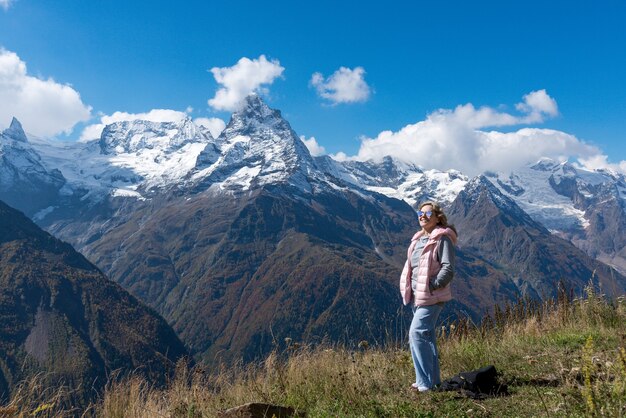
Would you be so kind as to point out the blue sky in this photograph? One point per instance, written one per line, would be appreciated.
(450, 84)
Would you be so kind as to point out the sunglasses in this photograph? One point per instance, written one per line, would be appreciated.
(428, 213)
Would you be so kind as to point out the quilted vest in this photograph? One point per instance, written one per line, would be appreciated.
(428, 267)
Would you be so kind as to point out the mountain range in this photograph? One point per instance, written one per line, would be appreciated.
(246, 239)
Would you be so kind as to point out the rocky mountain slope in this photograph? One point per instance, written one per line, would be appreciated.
(495, 227)
(63, 320)
(585, 207)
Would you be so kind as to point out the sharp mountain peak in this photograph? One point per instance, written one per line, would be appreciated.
(254, 116)
(15, 131)
(480, 195)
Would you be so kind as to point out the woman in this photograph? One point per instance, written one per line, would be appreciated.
(425, 283)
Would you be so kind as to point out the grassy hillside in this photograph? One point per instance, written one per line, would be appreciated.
(562, 358)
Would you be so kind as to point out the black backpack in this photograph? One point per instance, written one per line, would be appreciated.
(477, 384)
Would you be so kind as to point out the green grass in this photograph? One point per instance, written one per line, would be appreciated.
(560, 359)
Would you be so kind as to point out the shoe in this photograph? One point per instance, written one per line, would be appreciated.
(414, 386)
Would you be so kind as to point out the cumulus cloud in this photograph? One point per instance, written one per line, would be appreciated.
(341, 156)
(601, 161)
(243, 78)
(458, 139)
(44, 107)
(343, 86)
(156, 115)
(5, 4)
(214, 125)
(538, 105)
(536, 108)
(314, 148)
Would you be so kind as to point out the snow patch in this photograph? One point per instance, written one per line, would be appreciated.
(127, 193)
(43, 213)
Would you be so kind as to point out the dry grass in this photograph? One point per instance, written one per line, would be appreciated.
(562, 358)
(34, 397)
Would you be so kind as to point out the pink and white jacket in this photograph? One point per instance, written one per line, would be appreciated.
(428, 267)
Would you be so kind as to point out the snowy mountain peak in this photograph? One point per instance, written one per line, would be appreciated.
(255, 107)
(480, 186)
(253, 116)
(481, 192)
(137, 135)
(546, 164)
(25, 182)
(253, 99)
(15, 131)
(397, 179)
(257, 147)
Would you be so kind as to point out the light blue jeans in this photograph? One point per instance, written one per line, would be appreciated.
(423, 344)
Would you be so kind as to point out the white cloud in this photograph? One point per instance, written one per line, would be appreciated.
(600, 161)
(538, 105)
(343, 86)
(536, 108)
(91, 132)
(156, 115)
(314, 148)
(5, 4)
(214, 125)
(44, 107)
(457, 139)
(341, 156)
(245, 77)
